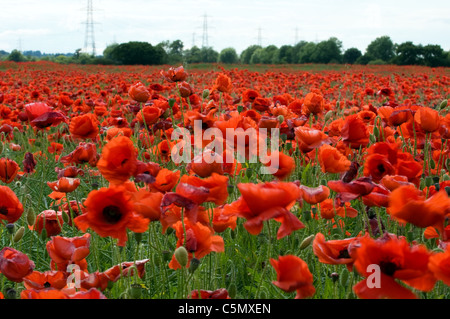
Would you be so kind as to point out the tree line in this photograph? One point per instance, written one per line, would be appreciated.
(382, 50)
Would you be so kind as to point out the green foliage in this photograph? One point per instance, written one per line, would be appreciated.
(381, 48)
(351, 55)
(138, 53)
(228, 55)
(16, 56)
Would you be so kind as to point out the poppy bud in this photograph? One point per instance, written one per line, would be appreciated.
(443, 104)
(135, 291)
(138, 237)
(280, 118)
(181, 255)
(328, 115)
(205, 93)
(232, 290)
(65, 217)
(44, 234)
(19, 234)
(240, 108)
(307, 241)
(1, 148)
(31, 218)
(372, 138)
(171, 102)
(195, 262)
(446, 177)
(376, 132)
(334, 276)
(166, 255)
(10, 228)
(10, 293)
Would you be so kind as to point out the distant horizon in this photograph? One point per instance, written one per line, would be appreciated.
(236, 24)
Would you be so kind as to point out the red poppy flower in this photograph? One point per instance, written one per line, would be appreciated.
(198, 239)
(310, 138)
(118, 160)
(293, 275)
(354, 132)
(11, 209)
(206, 163)
(165, 180)
(14, 264)
(223, 84)
(428, 119)
(329, 208)
(221, 293)
(68, 249)
(222, 220)
(285, 167)
(47, 293)
(147, 204)
(125, 269)
(83, 153)
(439, 264)
(139, 92)
(397, 260)
(408, 204)
(352, 190)
(216, 184)
(64, 184)
(175, 74)
(84, 126)
(376, 166)
(265, 201)
(52, 118)
(34, 110)
(69, 171)
(110, 212)
(8, 170)
(314, 195)
(332, 160)
(48, 279)
(313, 103)
(149, 115)
(49, 219)
(29, 163)
(333, 252)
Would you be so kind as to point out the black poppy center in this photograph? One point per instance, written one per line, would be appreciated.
(112, 214)
(47, 284)
(344, 254)
(388, 267)
(381, 168)
(3, 210)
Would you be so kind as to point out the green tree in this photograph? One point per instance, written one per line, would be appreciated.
(434, 55)
(407, 53)
(328, 51)
(246, 55)
(228, 55)
(382, 48)
(193, 55)
(209, 55)
(142, 53)
(16, 56)
(351, 55)
(285, 54)
(305, 53)
(258, 56)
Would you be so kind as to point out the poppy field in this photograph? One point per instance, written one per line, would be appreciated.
(94, 206)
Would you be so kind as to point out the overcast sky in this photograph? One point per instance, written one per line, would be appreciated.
(58, 26)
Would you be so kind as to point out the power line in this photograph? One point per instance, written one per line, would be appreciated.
(205, 32)
(89, 39)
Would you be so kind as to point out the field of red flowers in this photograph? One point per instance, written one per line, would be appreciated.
(93, 206)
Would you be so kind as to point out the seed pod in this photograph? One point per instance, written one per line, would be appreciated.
(10, 228)
(19, 234)
(307, 241)
(181, 255)
(135, 291)
(31, 217)
(195, 262)
(205, 93)
(443, 104)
